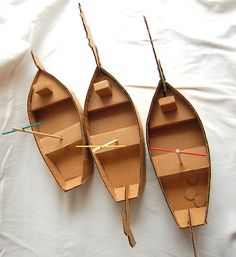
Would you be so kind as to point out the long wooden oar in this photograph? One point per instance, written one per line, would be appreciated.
(177, 151)
(37, 133)
(106, 145)
(100, 146)
(25, 127)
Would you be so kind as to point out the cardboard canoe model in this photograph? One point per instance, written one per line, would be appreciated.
(173, 123)
(52, 103)
(183, 173)
(111, 119)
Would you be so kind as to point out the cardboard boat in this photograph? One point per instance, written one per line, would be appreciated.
(50, 102)
(183, 173)
(110, 115)
(173, 123)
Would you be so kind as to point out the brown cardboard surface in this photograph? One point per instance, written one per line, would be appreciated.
(190, 193)
(178, 136)
(67, 161)
(122, 166)
(200, 201)
(164, 119)
(168, 164)
(43, 89)
(186, 182)
(126, 217)
(61, 114)
(133, 192)
(167, 103)
(115, 118)
(58, 95)
(198, 217)
(123, 136)
(109, 114)
(70, 136)
(50, 115)
(37, 62)
(103, 88)
(100, 103)
(89, 37)
(176, 185)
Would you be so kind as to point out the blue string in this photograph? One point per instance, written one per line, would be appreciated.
(29, 126)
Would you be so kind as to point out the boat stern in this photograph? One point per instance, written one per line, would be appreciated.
(198, 217)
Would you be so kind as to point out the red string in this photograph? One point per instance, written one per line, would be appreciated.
(174, 151)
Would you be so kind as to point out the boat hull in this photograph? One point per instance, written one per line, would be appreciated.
(110, 115)
(50, 102)
(173, 123)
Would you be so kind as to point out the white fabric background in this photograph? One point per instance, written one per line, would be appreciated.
(196, 42)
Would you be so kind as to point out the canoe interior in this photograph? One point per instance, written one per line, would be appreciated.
(61, 114)
(109, 117)
(186, 185)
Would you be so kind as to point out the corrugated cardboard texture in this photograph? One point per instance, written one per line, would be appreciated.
(184, 179)
(114, 117)
(61, 115)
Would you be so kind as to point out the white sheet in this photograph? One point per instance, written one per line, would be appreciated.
(196, 42)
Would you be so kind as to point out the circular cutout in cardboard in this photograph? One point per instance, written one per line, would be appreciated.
(192, 178)
(200, 201)
(190, 193)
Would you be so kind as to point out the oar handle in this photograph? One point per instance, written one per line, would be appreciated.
(25, 127)
(100, 146)
(37, 133)
(177, 151)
